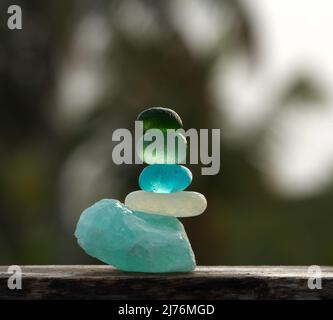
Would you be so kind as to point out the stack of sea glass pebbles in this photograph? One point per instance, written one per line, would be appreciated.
(144, 235)
(164, 180)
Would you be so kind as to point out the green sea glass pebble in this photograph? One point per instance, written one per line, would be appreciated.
(160, 118)
(154, 149)
(134, 241)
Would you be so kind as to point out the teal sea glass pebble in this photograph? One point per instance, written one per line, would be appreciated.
(160, 118)
(165, 178)
(134, 241)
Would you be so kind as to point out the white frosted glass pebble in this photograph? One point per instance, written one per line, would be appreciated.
(178, 204)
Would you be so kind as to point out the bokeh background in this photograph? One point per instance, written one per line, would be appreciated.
(261, 70)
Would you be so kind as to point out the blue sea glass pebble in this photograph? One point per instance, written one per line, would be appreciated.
(134, 241)
(165, 178)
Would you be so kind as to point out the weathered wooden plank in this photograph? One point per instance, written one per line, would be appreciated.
(104, 282)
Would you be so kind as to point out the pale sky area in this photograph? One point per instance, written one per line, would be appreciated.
(293, 36)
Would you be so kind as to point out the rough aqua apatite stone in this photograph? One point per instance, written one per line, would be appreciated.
(134, 241)
(165, 178)
(153, 148)
(160, 118)
(178, 204)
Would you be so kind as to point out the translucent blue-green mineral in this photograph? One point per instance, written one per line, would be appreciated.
(134, 241)
(165, 178)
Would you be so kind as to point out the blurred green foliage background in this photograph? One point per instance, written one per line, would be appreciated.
(80, 69)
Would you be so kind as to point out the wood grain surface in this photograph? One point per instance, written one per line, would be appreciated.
(214, 282)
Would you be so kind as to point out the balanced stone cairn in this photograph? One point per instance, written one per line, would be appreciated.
(144, 235)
